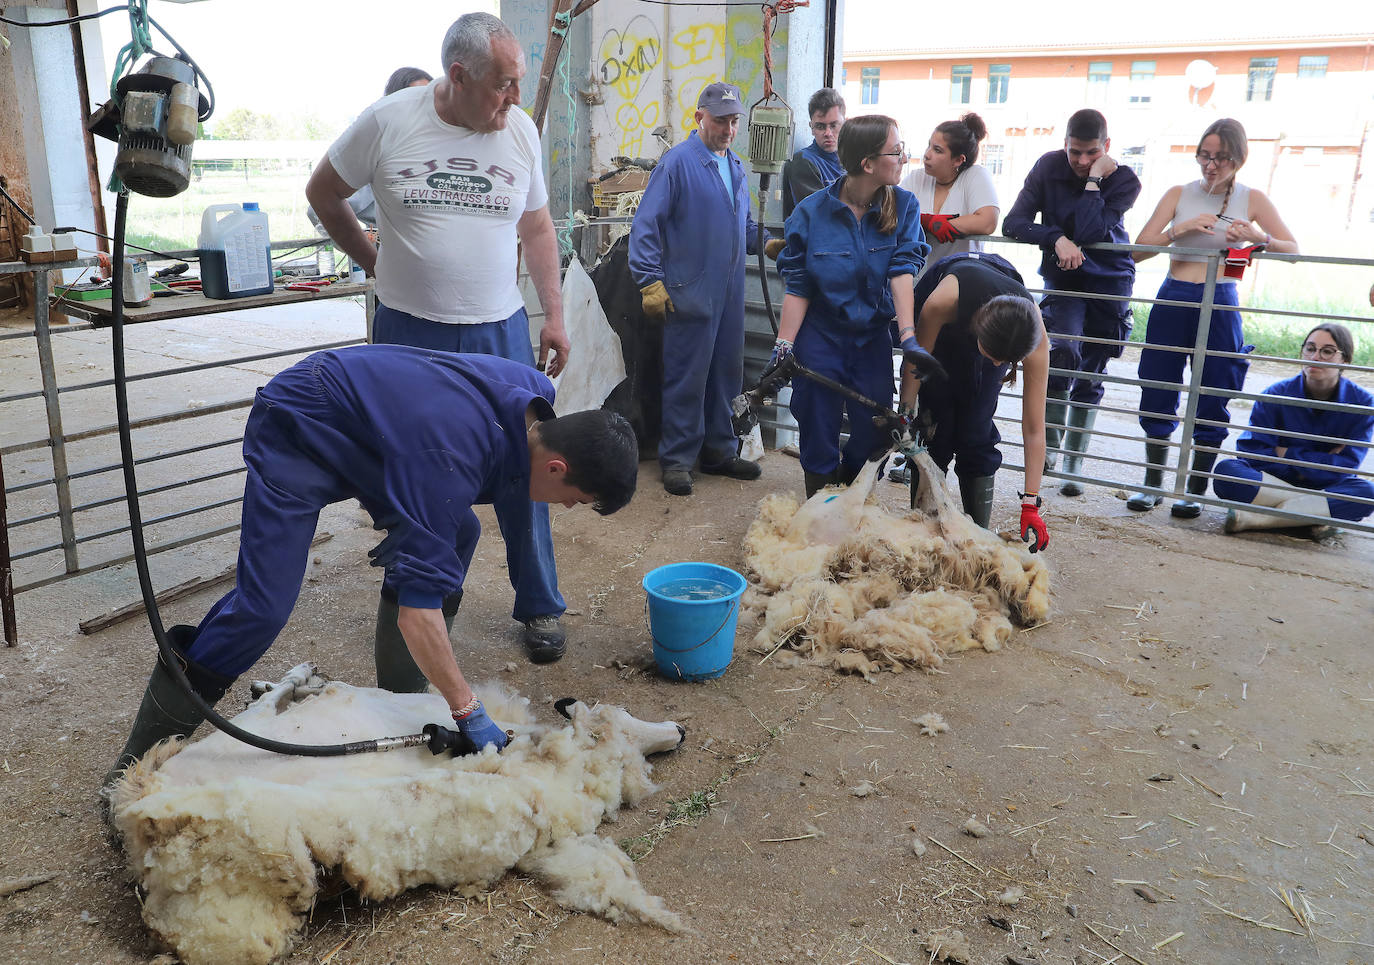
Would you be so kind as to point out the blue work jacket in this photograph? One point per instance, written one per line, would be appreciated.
(1269, 422)
(420, 437)
(809, 171)
(844, 266)
(690, 233)
(1085, 217)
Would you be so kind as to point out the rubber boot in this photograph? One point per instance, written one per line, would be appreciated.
(1155, 454)
(1056, 408)
(167, 710)
(396, 668)
(816, 481)
(976, 493)
(1196, 486)
(1081, 419)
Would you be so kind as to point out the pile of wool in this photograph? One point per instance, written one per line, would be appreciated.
(845, 582)
(229, 844)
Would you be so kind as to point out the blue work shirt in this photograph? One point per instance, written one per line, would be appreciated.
(420, 437)
(1269, 422)
(844, 266)
(1068, 209)
(689, 232)
(800, 183)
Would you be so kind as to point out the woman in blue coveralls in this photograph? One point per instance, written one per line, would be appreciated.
(1328, 473)
(974, 315)
(1214, 212)
(852, 253)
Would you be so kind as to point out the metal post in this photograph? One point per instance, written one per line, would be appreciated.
(54, 407)
(1199, 359)
(6, 570)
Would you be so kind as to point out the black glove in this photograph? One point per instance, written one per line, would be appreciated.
(925, 366)
(772, 380)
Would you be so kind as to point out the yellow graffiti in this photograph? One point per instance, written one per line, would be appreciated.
(634, 122)
(698, 44)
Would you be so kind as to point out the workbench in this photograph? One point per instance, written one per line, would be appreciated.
(98, 311)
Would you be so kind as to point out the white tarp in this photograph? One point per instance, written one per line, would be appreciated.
(595, 365)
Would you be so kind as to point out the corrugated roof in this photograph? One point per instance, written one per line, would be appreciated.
(885, 27)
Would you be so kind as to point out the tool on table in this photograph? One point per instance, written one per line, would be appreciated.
(312, 285)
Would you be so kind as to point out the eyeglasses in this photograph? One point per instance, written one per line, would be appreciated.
(820, 126)
(1324, 352)
(900, 152)
(1205, 159)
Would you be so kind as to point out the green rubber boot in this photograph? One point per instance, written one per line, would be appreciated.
(1155, 454)
(1196, 486)
(1056, 408)
(396, 668)
(976, 493)
(167, 710)
(1081, 419)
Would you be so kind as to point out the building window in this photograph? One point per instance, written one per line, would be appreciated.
(1142, 81)
(844, 76)
(1134, 158)
(1261, 83)
(960, 83)
(868, 85)
(993, 155)
(1099, 76)
(999, 79)
(1311, 67)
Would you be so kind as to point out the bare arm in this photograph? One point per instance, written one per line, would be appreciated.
(1035, 371)
(981, 222)
(427, 639)
(904, 301)
(328, 194)
(1155, 231)
(1264, 221)
(535, 229)
(793, 312)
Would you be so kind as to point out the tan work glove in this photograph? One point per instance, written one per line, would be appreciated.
(773, 247)
(656, 301)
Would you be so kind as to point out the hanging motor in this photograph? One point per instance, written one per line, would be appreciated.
(154, 121)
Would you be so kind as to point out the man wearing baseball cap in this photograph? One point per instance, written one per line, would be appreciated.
(687, 249)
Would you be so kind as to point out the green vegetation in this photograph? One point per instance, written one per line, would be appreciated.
(688, 810)
(171, 223)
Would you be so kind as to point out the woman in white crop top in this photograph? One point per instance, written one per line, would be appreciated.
(957, 195)
(1213, 212)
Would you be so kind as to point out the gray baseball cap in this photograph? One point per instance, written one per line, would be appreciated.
(721, 100)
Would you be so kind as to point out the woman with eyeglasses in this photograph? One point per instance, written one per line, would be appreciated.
(1327, 467)
(852, 253)
(1217, 212)
(957, 195)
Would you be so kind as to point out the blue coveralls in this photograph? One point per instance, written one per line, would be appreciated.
(845, 267)
(692, 235)
(962, 406)
(1053, 191)
(810, 170)
(1268, 422)
(1175, 325)
(533, 570)
(418, 437)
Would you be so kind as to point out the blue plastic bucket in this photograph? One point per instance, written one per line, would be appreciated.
(694, 639)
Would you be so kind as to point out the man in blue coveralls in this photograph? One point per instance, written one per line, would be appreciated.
(815, 166)
(1081, 194)
(687, 248)
(419, 438)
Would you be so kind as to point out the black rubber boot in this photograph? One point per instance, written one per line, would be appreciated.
(816, 481)
(1196, 486)
(167, 710)
(1155, 454)
(396, 668)
(1081, 419)
(1056, 408)
(976, 493)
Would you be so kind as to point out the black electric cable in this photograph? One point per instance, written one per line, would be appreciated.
(64, 22)
(67, 229)
(17, 206)
(763, 271)
(170, 658)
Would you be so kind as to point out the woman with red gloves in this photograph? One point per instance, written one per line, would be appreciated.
(956, 194)
(974, 315)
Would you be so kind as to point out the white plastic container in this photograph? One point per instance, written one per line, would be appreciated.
(235, 251)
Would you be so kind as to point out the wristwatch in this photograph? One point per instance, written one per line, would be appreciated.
(1095, 179)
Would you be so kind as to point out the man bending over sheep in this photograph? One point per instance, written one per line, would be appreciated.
(419, 438)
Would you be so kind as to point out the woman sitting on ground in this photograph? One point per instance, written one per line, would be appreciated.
(1257, 479)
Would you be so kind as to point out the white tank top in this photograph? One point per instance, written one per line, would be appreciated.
(1194, 200)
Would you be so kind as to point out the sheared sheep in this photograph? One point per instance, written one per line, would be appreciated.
(846, 583)
(229, 842)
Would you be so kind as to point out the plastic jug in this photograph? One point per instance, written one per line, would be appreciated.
(235, 252)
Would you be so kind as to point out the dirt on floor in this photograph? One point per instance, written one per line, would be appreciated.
(1175, 768)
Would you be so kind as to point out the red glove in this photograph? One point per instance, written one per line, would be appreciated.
(939, 225)
(1238, 259)
(1032, 523)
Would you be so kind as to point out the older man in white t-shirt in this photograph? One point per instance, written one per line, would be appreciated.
(457, 175)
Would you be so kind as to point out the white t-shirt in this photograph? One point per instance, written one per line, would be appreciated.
(971, 190)
(448, 199)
